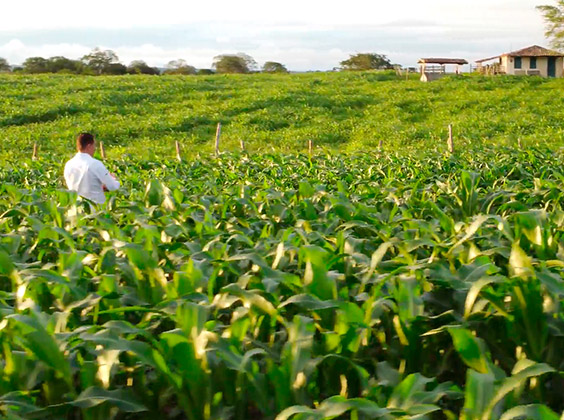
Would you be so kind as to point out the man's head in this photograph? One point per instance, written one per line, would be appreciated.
(85, 143)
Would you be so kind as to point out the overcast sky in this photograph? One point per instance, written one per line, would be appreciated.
(302, 34)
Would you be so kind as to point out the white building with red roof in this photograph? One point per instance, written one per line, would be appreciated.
(530, 61)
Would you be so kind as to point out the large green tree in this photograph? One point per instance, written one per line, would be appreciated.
(554, 19)
(274, 67)
(366, 61)
(234, 63)
(179, 66)
(60, 64)
(36, 65)
(140, 67)
(101, 62)
(115, 69)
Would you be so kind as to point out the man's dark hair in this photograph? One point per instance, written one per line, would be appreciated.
(83, 140)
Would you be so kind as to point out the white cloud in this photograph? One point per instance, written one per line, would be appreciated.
(13, 47)
(313, 34)
(297, 53)
(159, 56)
(39, 14)
(295, 58)
(16, 51)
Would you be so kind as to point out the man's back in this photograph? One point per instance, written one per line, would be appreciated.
(88, 177)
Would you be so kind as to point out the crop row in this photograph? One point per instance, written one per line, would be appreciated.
(348, 111)
(284, 286)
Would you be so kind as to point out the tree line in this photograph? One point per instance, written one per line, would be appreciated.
(106, 62)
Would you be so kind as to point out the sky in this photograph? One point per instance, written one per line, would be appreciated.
(301, 34)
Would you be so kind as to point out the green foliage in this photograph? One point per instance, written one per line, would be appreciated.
(234, 63)
(143, 116)
(140, 67)
(103, 62)
(97, 62)
(274, 67)
(179, 67)
(275, 286)
(4, 66)
(366, 61)
(34, 65)
(554, 19)
(63, 65)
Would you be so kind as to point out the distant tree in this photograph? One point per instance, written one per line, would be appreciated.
(274, 67)
(63, 65)
(205, 72)
(366, 61)
(179, 67)
(101, 61)
(115, 69)
(554, 20)
(4, 65)
(140, 67)
(234, 63)
(35, 65)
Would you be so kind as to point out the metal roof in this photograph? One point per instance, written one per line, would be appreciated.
(459, 61)
(487, 59)
(533, 51)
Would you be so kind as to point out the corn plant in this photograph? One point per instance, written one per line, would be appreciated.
(276, 286)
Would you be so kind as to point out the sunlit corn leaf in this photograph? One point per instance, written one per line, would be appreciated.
(120, 398)
(523, 371)
(530, 412)
(251, 299)
(316, 277)
(468, 193)
(42, 345)
(416, 397)
(332, 408)
(470, 349)
(309, 302)
(520, 264)
(480, 388)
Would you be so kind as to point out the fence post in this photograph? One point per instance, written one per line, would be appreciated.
(242, 142)
(178, 156)
(380, 144)
(102, 151)
(310, 147)
(450, 141)
(217, 135)
(34, 156)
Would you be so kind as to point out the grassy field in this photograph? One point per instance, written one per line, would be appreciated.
(408, 283)
(144, 116)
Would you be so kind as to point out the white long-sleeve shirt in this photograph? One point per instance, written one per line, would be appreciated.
(87, 176)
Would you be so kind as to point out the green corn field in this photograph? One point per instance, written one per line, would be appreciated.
(143, 116)
(287, 286)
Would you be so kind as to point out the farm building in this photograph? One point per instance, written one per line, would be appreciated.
(530, 61)
(435, 68)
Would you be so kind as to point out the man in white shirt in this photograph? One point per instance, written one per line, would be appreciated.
(86, 175)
